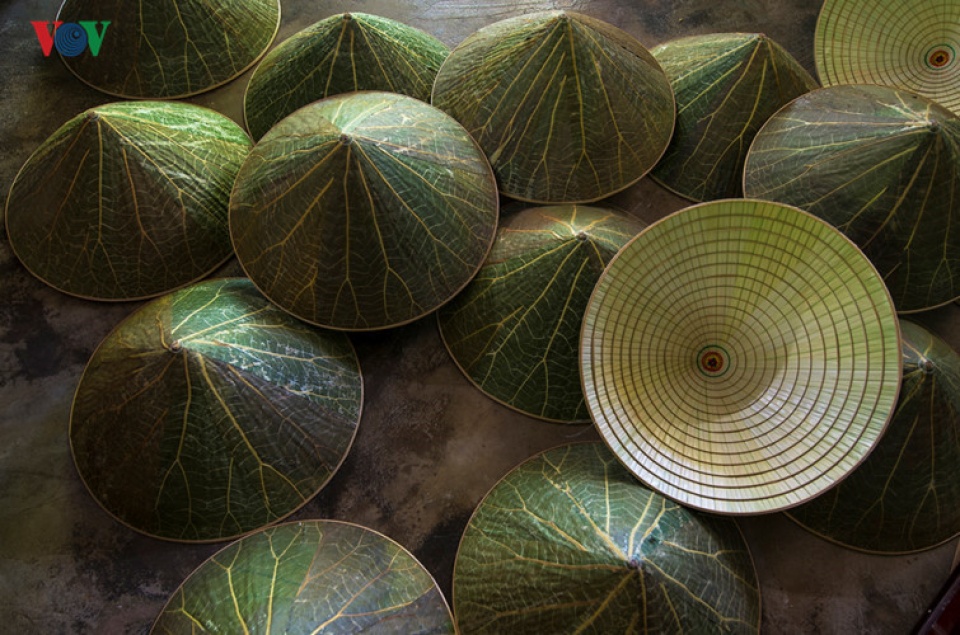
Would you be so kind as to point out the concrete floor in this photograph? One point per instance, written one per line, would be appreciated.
(429, 445)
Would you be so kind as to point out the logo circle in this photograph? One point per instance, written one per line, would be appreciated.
(70, 39)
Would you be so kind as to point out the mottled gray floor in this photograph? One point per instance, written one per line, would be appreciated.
(429, 445)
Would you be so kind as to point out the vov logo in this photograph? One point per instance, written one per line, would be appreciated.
(70, 38)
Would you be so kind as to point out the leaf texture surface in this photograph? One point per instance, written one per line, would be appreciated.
(906, 495)
(569, 542)
(319, 577)
(127, 200)
(727, 85)
(883, 166)
(569, 109)
(165, 49)
(210, 413)
(514, 331)
(364, 211)
(340, 54)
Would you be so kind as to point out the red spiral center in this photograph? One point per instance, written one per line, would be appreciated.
(939, 57)
(712, 362)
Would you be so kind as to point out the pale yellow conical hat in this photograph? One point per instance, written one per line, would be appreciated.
(740, 356)
(909, 44)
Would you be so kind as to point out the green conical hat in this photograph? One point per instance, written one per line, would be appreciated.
(209, 413)
(343, 53)
(364, 211)
(909, 44)
(906, 495)
(740, 356)
(881, 164)
(569, 542)
(127, 200)
(514, 329)
(568, 108)
(727, 85)
(166, 48)
(317, 576)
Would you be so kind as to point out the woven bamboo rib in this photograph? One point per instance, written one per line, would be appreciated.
(804, 339)
(910, 44)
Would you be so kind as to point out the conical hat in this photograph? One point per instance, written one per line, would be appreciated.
(340, 54)
(165, 48)
(569, 542)
(309, 577)
(364, 211)
(127, 200)
(514, 329)
(908, 44)
(727, 85)
(740, 356)
(568, 108)
(881, 164)
(906, 495)
(209, 413)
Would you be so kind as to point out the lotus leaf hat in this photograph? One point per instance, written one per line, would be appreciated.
(340, 54)
(570, 542)
(364, 211)
(165, 49)
(568, 108)
(906, 496)
(883, 166)
(727, 85)
(515, 328)
(312, 576)
(209, 413)
(128, 200)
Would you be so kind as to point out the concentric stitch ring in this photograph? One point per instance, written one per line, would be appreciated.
(740, 356)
